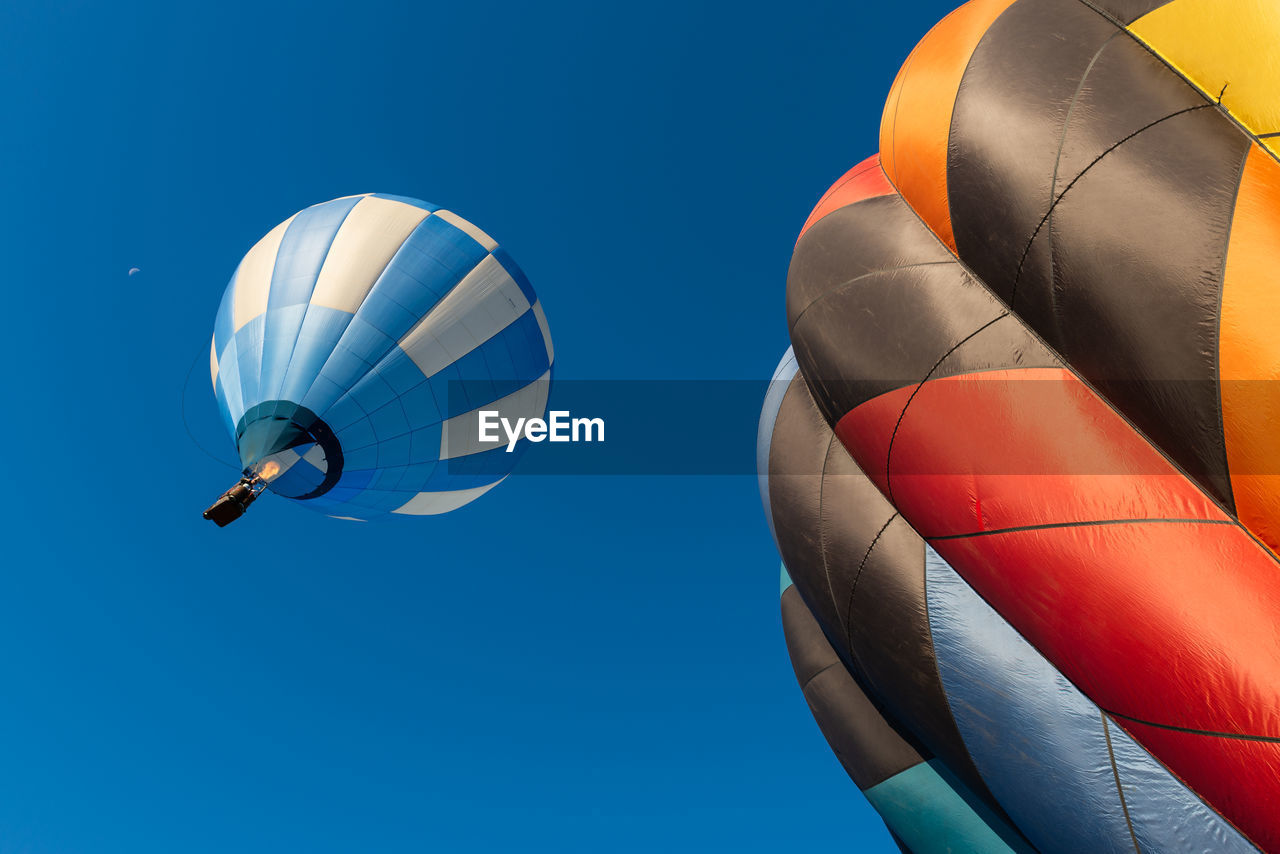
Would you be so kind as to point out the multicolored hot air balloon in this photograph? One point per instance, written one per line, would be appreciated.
(354, 348)
(1022, 464)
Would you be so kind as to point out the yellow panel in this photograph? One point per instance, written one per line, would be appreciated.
(1217, 43)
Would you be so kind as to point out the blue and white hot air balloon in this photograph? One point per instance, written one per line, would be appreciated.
(354, 347)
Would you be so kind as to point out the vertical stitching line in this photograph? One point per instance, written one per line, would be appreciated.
(1115, 772)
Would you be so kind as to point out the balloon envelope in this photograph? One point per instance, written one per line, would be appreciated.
(357, 342)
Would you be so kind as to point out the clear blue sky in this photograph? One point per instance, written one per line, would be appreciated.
(569, 664)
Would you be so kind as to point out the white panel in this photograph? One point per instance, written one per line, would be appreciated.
(368, 239)
(253, 278)
(433, 503)
(484, 303)
(213, 363)
(546, 331)
(348, 518)
(316, 457)
(285, 459)
(476, 234)
(460, 435)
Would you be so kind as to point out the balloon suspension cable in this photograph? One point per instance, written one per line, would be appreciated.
(187, 426)
(233, 503)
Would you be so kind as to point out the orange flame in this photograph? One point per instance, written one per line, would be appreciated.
(270, 470)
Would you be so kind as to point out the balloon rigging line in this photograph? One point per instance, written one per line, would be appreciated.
(187, 426)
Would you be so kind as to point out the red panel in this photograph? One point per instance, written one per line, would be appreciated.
(988, 441)
(1177, 623)
(1241, 778)
(863, 181)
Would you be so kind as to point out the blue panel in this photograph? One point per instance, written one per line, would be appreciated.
(342, 370)
(389, 422)
(366, 340)
(394, 452)
(1165, 814)
(934, 813)
(1039, 743)
(777, 389)
(416, 477)
(417, 203)
(387, 315)
(450, 392)
(354, 437)
(425, 444)
(249, 361)
(364, 458)
(372, 392)
(321, 330)
(523, 339)
(434, 258)
(784, 581)
(525, 345)
(480, 387)
(282, 325)
(420, 404)
(475, 469)
(375, 502)
(498, 355)
(400, 372)
(224, 410)
(388, 479)
(337, 497)
(299, 479)
(355, 479)
(513, 270)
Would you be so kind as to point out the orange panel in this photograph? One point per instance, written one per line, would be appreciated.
(917, 116)
(1249, 349)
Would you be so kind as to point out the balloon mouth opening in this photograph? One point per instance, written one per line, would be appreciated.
(290, 448)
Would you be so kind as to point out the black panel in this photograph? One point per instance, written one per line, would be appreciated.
(853, 325)
(867, 745)
(1143, 322)
(1122, 274)
(1006, 125)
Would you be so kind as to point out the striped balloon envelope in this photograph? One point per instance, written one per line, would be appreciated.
(357, 342)
(1022, 464)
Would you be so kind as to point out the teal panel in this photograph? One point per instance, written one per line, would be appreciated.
(932, 813)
